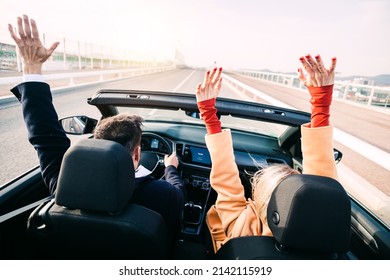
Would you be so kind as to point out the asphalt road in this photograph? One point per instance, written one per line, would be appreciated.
(17, 155)
(370, 126)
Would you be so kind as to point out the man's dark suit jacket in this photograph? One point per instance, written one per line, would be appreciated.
(45, 133)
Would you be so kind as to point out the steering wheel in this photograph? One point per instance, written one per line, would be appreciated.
(152, 154)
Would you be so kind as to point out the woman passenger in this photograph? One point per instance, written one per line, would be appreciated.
(233, 215)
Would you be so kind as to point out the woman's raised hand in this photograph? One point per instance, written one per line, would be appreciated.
(211, 85)
(317, 74)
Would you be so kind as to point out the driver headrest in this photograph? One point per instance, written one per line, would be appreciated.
(96, 175)
(311, 213)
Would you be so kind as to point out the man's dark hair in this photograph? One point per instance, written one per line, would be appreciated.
(125, 129)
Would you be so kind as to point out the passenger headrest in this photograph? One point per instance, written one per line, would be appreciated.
(96, 175)
(310, 213)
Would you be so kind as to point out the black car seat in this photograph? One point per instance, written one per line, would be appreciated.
(91, 217)
(310, 218)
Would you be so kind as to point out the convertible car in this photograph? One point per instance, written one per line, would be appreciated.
(313, 218)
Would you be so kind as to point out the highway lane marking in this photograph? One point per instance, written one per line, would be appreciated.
(153, 111)
(365, 149)
(182, 82)
(270, 127)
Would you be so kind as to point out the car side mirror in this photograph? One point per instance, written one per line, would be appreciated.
(78, 125)
(337, 155)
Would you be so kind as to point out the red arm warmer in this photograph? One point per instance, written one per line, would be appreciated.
(209, 114)
(321, 98)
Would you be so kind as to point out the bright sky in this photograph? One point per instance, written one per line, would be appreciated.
(255, 34)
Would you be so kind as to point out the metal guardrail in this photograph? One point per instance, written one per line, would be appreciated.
(75, 79)
(373, 96)
(119, 73)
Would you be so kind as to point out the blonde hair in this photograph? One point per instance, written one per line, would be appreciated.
(264, 181)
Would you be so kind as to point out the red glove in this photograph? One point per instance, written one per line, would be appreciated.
(321, 98)
(209, 114)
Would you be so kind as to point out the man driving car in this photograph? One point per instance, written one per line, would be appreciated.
(50, 141)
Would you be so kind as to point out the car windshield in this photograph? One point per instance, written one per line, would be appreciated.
(254, 126)
(168, 45)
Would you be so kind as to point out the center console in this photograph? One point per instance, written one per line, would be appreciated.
(195, 166)
(198, 190)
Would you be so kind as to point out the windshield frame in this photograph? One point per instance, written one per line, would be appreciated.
(107, 100)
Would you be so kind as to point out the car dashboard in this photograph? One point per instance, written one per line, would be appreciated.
(188, 141)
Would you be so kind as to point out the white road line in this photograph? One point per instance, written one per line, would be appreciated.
(153, 111)
(369, 151)
(182, 83)
(262, 95)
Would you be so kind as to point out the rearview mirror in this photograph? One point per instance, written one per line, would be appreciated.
(195, 115)
(78, 125)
